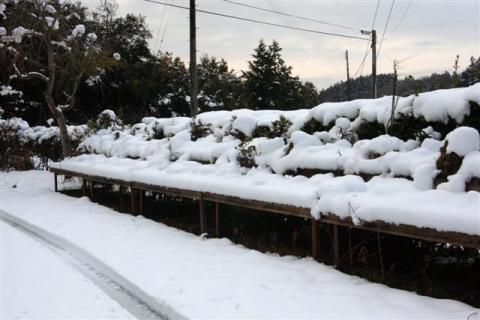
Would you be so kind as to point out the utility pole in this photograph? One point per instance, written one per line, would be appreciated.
(348, 76)
(373, 34)
(394, 95)
(374, 63)
(193, 61)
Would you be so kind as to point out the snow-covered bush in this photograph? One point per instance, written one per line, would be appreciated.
(21, 144)
(199, 129)
(107, 119)
(246, 154)
(457, 146)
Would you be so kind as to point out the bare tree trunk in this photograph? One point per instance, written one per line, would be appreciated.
(56, 112)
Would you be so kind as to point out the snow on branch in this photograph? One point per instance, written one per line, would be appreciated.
(30, 75)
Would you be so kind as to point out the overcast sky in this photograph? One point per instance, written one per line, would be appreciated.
(430, 36)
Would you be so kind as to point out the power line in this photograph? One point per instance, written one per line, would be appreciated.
(160, 27)
(260, 22)
(403, 17)
(375, 15)
(165, 29)
(367, 49)
(290, 15)
(386, 26)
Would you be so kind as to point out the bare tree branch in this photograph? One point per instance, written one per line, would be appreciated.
(30, 75)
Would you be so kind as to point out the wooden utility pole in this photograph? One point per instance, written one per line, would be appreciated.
(374, 63)
(394, 95)
(348, 76)
(373, 34)
(193, 61)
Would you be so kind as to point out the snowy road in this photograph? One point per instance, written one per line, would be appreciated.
(110, 290)
(182, 275)
(35, 283)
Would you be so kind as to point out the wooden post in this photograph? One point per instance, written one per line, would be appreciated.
(141, 196)
(336, 246)
(315, 244)
(217, 219)
(132, 201)
(55, 176)
(120, 198)
(203, 217)
(92, 191)
(350, 247)
(84, 187)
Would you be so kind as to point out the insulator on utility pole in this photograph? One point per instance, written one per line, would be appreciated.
(193, 61)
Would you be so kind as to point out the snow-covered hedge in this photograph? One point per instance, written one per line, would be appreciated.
(20, 143)
(314, 158)
(276, 140)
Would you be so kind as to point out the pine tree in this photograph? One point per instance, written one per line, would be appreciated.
(471, 75)
(269, 83)
(219, 86)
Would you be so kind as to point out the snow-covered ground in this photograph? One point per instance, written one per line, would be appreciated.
(36, 284)
(180, 274)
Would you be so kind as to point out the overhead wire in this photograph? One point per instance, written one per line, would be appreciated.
(160, 27)
(157, 47)
(403, 17)
(385, 29)
(362, 63)
(291, 15)
(165, 29)
(259, 21)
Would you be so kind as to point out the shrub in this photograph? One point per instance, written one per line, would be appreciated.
(247, 153)
(369, 130)
(279, 128)
(312, 126)
(21, 144)
(199, 129)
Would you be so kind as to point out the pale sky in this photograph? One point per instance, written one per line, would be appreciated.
(430, 36)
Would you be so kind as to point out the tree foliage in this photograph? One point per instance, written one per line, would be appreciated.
(269, 83)
(46, 42)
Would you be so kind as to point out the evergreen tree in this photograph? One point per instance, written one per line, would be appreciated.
(269, 83)
(471, 75)
(219, 86)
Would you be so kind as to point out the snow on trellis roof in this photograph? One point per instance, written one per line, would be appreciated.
(384, 178)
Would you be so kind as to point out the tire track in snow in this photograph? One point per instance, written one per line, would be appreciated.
(125, 293)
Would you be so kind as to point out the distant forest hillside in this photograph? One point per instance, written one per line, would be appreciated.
(361, 87)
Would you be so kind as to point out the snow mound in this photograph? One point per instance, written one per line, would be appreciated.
(463, 140)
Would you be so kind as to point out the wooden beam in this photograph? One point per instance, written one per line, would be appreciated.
(133, 203)
(410, 231)
(315, 241)
(84, 187)
(402, 230)
(336, 246)
(55, 176)
(203, 217)
(217, 219)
